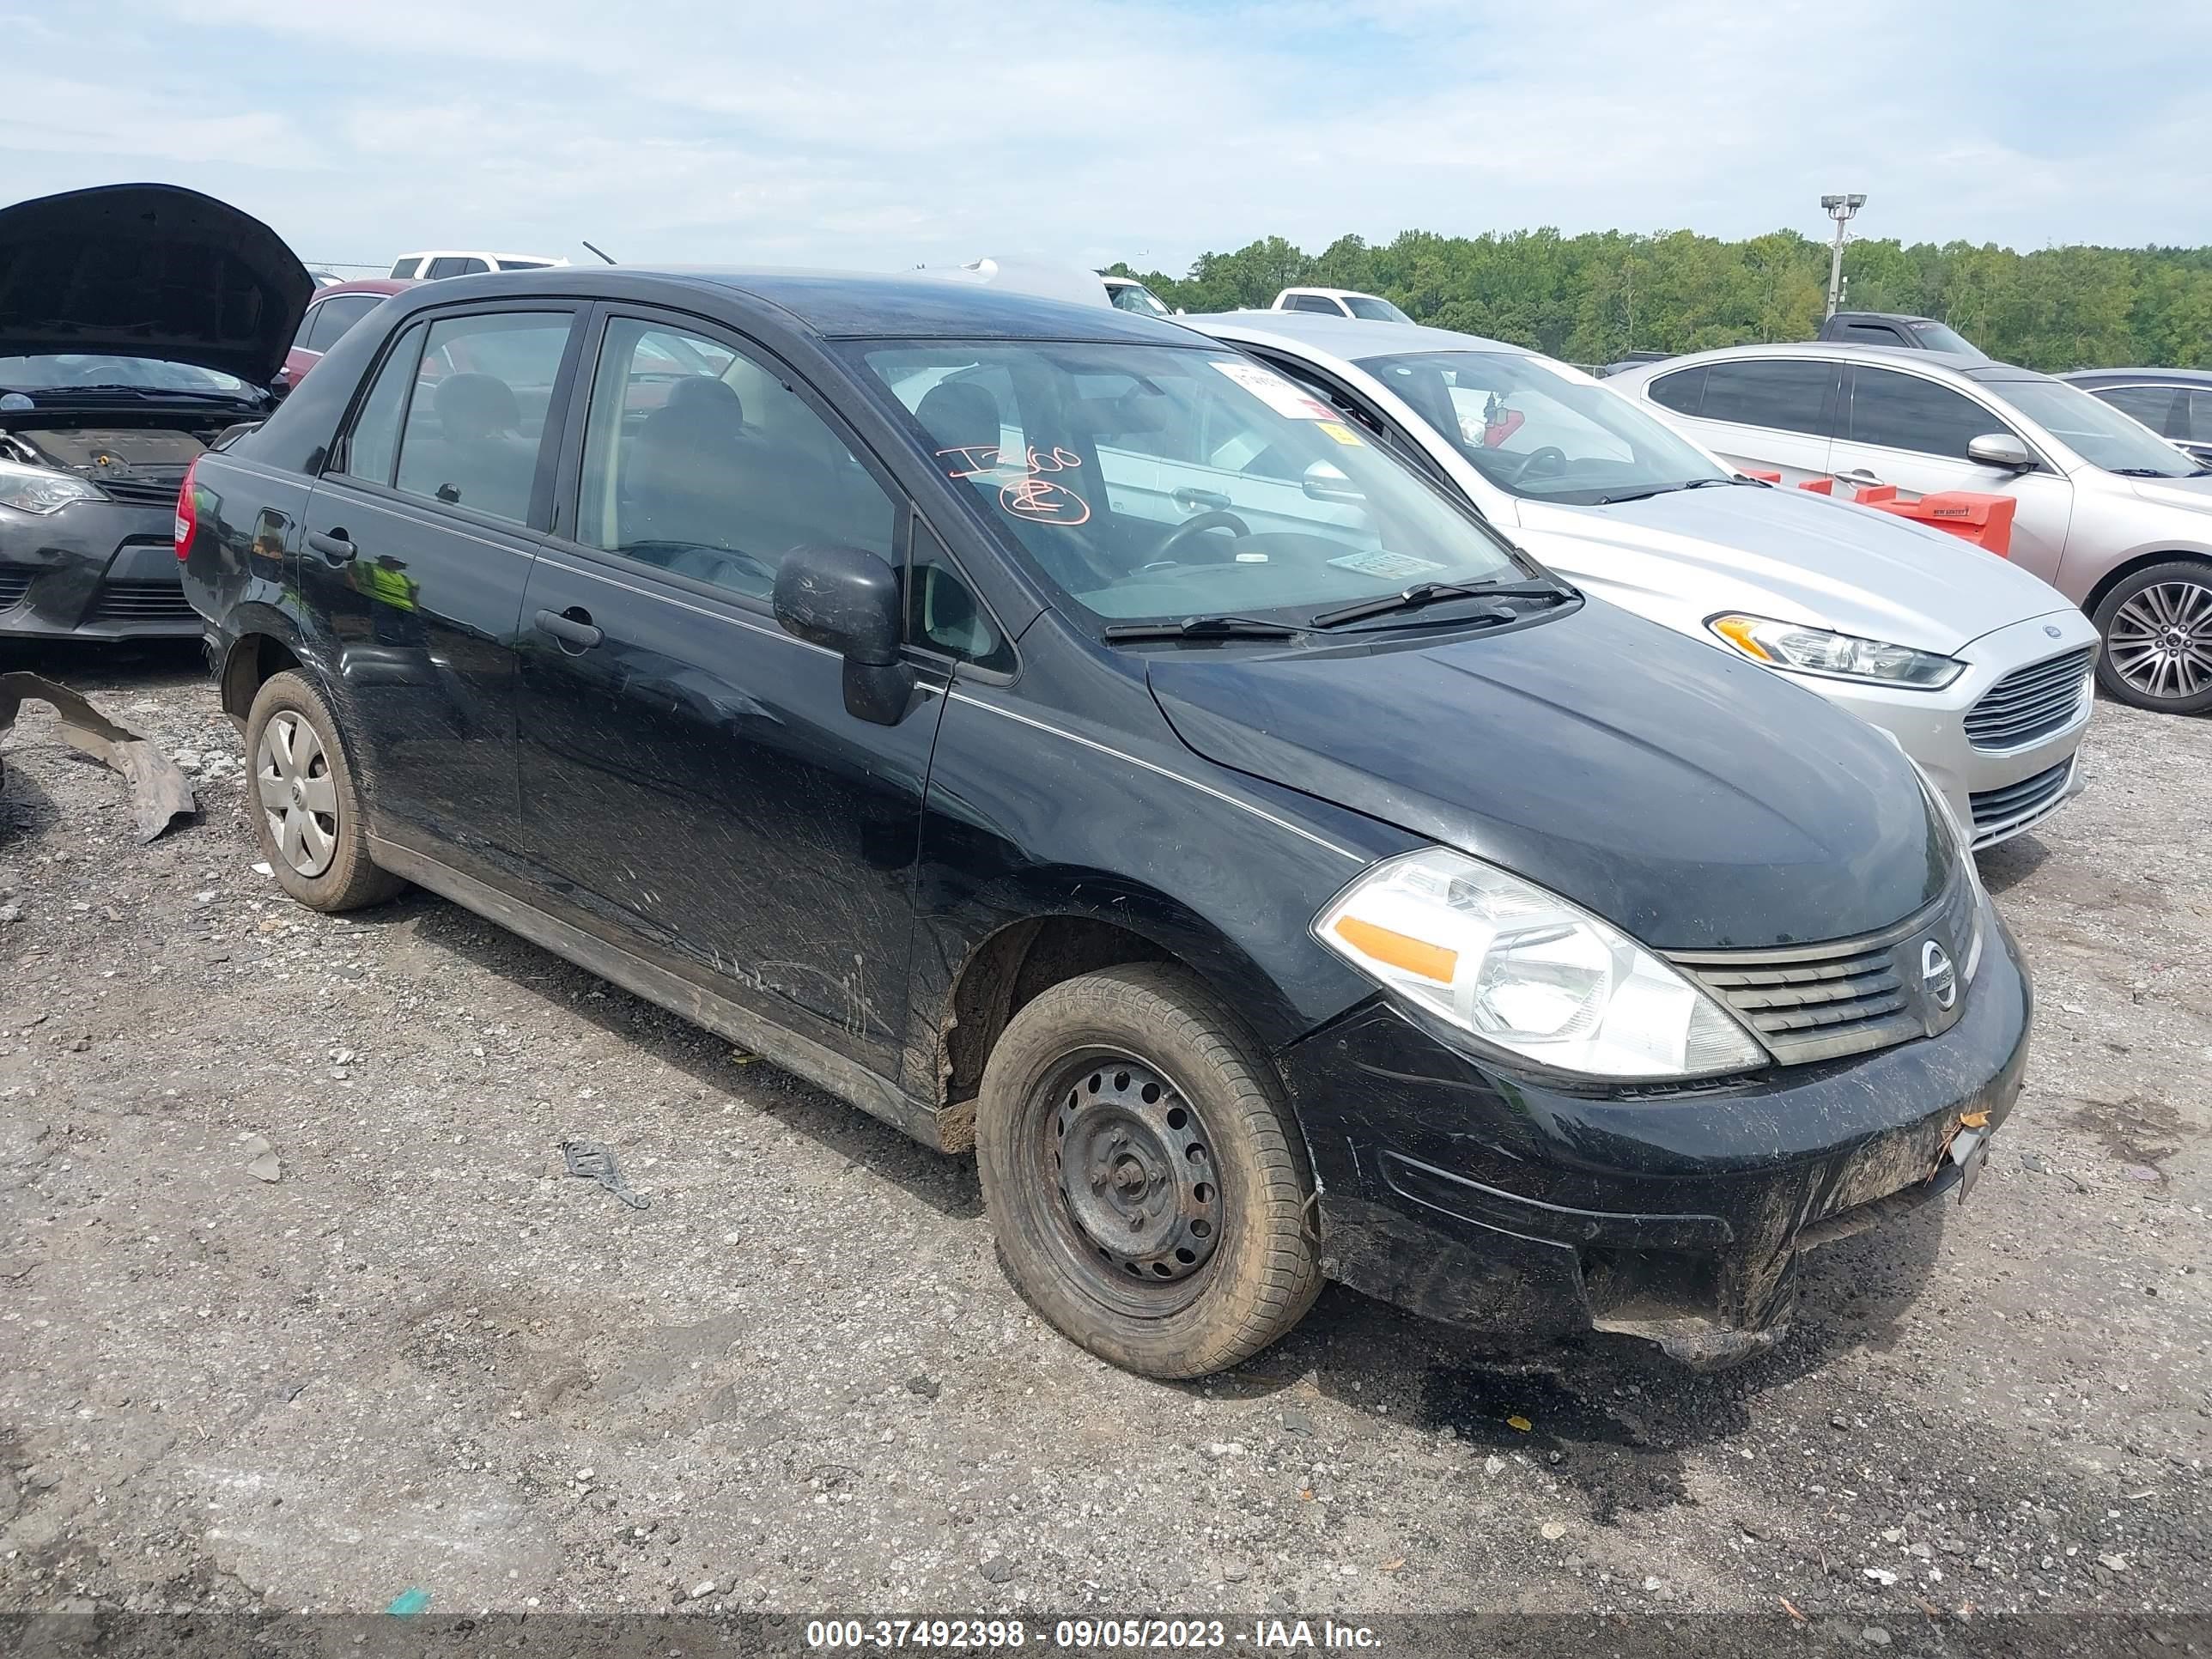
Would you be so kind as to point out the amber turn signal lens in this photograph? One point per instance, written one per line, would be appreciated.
(1414, 956)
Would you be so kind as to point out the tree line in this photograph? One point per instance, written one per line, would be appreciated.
(1595, 298)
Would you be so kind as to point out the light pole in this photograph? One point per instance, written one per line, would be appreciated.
(1840, 209)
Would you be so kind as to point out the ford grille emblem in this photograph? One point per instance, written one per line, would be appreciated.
(1937, 974)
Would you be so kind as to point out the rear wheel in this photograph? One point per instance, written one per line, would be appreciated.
(2157, 625)
(306, 813)
(1147, 1183)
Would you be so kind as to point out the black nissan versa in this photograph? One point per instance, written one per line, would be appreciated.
(137, 323)
(1059, 736)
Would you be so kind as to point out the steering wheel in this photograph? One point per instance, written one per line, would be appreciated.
(1172, 542)
(1554, 461)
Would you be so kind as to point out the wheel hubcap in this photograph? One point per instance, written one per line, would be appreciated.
(299, 797)
(2160, 642)
(1134, 1172)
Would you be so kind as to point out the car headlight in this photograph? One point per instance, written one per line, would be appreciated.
(1515, 966)
(41, 489)
(1962, 853)
(1840, 656)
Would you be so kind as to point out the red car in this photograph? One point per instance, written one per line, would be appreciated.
(334, 310)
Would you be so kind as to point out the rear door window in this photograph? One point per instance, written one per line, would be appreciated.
(479, 413)
(455, 264)
(1896, 411)
(2196, 423)
(373, 443)
(1880, 334)
(1326, 306)
(406, 268)
(1788, 396)
(2154, 405)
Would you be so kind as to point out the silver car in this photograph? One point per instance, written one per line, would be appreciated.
(1978, 668)
(2108, 513)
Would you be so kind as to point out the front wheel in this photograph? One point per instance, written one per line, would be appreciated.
(1148, 1185)
(2157, 626)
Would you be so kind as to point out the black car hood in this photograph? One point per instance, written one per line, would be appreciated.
(1696, 802)
(149, 270)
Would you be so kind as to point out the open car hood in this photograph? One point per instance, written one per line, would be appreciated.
(149, 270)
(1694, 801)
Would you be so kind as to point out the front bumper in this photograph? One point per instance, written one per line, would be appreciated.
(95, 570)
(1999, 793)
(1470, 1196)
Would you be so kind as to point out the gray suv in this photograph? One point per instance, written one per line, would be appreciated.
(2109, 513)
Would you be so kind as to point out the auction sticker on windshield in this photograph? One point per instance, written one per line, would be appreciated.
(1381, 562)
(1272, 390)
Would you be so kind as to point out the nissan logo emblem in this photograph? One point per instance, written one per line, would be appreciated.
(2050, 629)
(1937, 975)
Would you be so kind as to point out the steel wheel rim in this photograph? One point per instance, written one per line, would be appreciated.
(299, 797)
(1135, 1195)
(2160, 640)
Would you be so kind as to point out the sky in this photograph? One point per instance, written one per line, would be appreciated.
(881, 135)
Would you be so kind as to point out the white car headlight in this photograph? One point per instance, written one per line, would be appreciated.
(1838, 656)
(41, 489)
(1523, 969)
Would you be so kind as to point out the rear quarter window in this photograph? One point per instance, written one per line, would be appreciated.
(1683, 392)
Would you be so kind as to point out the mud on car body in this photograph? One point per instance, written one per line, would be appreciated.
(137, 323)
(1059, 736)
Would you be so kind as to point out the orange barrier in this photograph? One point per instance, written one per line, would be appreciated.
(1816, 486)
(1985, 520)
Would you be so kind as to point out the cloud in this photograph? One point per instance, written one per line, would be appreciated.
(885, 135)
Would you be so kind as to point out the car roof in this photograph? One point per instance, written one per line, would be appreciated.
(2174, 377)
(1335, 293)
(1901, 356)
(1353, 337)
(843, 304)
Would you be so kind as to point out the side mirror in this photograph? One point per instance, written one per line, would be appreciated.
(847, 601)
(1324, 482)
(2001, 449)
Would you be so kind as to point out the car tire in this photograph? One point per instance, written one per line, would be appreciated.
(317, 846)
(1146, 1177)
(2167, 605)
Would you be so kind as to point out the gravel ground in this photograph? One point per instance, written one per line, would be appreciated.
(422, 1358)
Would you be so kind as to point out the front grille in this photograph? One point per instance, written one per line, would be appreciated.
(154, 494)
(1846, 997)
(143, 602)
(1997, 810)
(14, 583)
(2032, 702)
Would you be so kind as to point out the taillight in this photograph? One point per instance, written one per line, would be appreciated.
(188, 511)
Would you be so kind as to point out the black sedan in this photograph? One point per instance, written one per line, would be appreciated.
(1061, 736)
(2174, 403)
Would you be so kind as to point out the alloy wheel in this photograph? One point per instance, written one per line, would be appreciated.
(299, 797)
(2160, 640)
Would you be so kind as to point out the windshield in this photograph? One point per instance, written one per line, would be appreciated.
(1154, 483)
(1135, 296)
(1539, 434)
(1375, 310)
(2093, 429)
(60, 372)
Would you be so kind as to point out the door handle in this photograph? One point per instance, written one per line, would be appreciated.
(1194, 500)
(334, 546)
(1860, 477)
(572, 627)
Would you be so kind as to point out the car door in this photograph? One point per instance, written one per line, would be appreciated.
(692, 785)
(1769, 414)
(417, 540)
(1912, 430)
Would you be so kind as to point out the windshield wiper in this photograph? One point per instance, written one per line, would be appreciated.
(2153, 472)
(1668, 489)
(1427, 594)
(150, 392)
(1204, 628)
